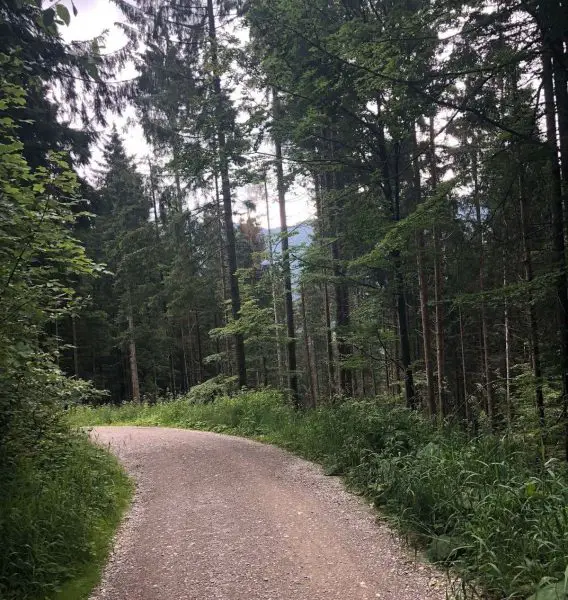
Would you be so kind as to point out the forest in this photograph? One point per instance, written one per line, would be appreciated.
(421, 297)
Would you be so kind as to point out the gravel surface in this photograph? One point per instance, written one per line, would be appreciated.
(219, 517)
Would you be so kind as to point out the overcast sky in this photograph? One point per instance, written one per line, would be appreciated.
(96, 16)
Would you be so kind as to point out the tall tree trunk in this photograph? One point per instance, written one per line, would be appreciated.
(508, 399)
(154, 201)
(329, 342)
(75, 345)
(327, 312)
(424, 295)
(199, 349)
(312, 375)
(464, 371)
(172, 373)
(184, 357)
(222, 249)
(533, 324)
(490, 404)
(560, 69)
(438, 290)
(342, 305)
(192, 378)
(226, 194)
(135, 384)
(558, 241)
(286, 268)
(391, 188)
(273, 288)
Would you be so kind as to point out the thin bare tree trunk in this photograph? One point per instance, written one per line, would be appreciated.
(185, 374)
(424, 296)
(464, 371)
(490, 405)
(75, 346)
(508, 400)
(135, 384)
(329, 343)
(199, 349)
(273, 287)
(286, 267)
(312, 376)
(222, 264)
(533, 324)
(438, 290)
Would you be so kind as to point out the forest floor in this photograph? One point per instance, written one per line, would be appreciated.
(220, 517)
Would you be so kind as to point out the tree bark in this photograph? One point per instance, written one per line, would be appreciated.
(464, 371)
(533, 324)
(392, 193)
(286, 268)
(327, 312)
(438, 291)
(199, 349)
(558, 241)
(490, 405)
(226, 195)
(424, 295)
(312, 375)
(560, 66)
(273, 288)
(75, 346)
(329, 342)
(135, 384)
(184, 357)
(508, 399)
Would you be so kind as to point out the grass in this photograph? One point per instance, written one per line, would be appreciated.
(487, 507)
(59, 508)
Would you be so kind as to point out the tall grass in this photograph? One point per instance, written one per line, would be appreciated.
(487, 507)
(58, 510)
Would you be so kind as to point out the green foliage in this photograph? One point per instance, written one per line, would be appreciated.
(58, 511)
(61, 498)
(483, 506)
(39, 259)
(211, 389)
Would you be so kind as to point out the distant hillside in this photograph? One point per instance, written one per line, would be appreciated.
(299, 235)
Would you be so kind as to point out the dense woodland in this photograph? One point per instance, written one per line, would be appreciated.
(432, 139)
(428, 139)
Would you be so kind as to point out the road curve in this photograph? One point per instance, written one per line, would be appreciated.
(219, 517)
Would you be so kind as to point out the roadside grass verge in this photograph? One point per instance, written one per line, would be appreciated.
(59, 508)
(486, 507)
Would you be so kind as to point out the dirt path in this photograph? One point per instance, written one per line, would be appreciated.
(217, 517)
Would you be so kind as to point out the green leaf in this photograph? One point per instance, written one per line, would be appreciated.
(48, 17)
(63, 13)
(552, 591)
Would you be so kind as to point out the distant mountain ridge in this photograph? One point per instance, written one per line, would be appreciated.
(298, 235)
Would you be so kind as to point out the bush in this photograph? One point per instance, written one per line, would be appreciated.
(487, 507)
(211, 389)
(58, 510)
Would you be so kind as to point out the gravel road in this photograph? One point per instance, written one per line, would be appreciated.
(219, 517)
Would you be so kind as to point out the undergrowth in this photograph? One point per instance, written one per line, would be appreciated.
(487, 507)
(59, 507)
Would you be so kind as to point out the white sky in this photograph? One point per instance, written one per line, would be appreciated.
(96, 16)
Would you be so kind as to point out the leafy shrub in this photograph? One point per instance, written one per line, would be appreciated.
(212, 388)
(58, 510)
